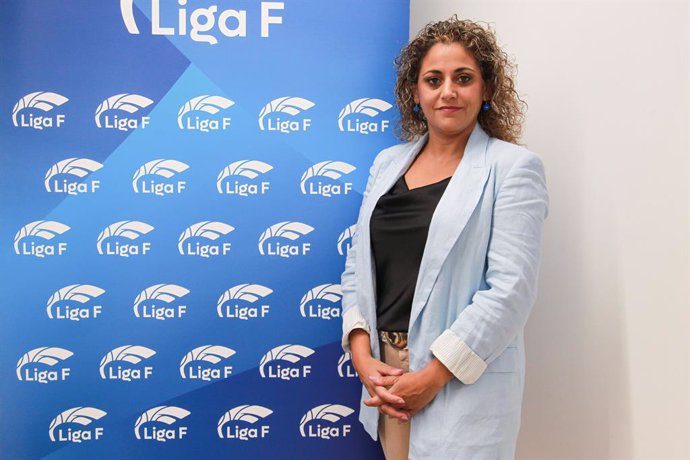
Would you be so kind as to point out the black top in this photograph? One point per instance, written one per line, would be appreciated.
(399, 227)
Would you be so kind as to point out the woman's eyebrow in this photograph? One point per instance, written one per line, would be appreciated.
(459, 69)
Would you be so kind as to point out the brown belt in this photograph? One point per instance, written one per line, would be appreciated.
(395, 339)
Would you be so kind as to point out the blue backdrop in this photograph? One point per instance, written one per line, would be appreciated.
(178, 185)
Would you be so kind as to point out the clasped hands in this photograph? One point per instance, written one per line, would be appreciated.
(395, 392)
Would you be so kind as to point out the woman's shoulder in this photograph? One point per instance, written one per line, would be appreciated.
(504, 156)
(388, 154)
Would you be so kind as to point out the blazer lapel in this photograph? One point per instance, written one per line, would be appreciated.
(393, 171)
(386, 178)
(451, 216)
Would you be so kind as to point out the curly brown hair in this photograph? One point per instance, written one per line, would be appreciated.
(504, 119)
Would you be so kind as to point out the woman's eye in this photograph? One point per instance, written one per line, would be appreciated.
(464, 78)
(433, 81)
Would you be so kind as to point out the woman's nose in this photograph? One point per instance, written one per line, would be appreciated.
(448, 90)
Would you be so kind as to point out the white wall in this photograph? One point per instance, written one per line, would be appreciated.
(607, 343)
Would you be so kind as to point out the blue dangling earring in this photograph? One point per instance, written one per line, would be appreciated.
(486, 106)
(416, 108)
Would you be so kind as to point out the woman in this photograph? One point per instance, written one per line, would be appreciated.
(442, 271)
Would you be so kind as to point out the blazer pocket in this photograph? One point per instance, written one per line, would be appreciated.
(505, 362)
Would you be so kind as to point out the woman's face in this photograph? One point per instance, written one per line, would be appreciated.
(450, 90)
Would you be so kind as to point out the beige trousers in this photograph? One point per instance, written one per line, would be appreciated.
(394, 435)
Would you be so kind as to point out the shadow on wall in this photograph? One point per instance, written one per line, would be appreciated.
(577, 395)
(577, 390)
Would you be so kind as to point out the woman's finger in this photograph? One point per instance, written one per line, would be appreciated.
(373, 402)
(389, 398)
(384, 381)
(385, 369)
(388, 410)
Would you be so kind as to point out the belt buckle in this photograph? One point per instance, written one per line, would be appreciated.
(397, 340)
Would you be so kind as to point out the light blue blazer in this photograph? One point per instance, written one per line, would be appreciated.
(477, 283)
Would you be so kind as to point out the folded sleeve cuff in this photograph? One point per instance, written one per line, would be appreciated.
(458, 357)
(352, 319)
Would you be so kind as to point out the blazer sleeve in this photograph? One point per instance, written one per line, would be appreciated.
(352, 315)
(496, 315)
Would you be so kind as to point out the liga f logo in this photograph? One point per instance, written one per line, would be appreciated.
(44, 229)
(159, 169)
(131, 230)
(145, 305)
(206, 230)
(83, 294)
(44, 101)
(290, 106)
(309, 426)
(147, 425)
(248, 295)
(43, 356)
(129, 354)
(83, 416)
(125, 102)
(211, 106)
(203, 357)
(290, 230)
(250, 414)
(311, 184)
(248, 170)
(269, 368)
(349, 116)
(203, 23)
(79, 168)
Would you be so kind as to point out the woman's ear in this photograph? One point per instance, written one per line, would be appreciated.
(413, 88)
